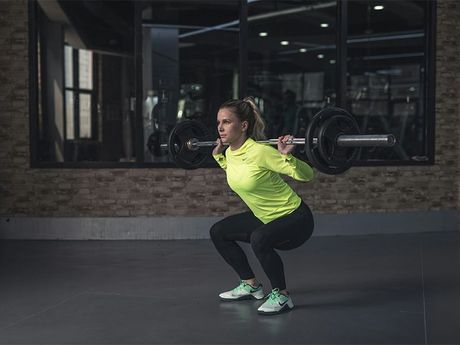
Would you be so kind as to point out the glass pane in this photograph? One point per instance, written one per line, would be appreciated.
(85, 69)
(292, 56)
(86, 55)
(69, 115)
(85, 116)
(68, 66)
(190, 65)
(386, 81)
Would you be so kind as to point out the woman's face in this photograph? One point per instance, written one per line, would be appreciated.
(230, 128)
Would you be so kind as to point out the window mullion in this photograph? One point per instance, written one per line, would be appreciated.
(341, 45)
(243, 43)
(138, 88)
(76, 95)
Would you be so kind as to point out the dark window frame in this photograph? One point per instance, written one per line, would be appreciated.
(341, 38)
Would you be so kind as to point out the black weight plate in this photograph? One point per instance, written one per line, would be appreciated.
(330, 130)
(153, 144)
(178, 150)
(312, 149)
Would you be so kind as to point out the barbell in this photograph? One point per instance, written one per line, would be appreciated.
(332, 142)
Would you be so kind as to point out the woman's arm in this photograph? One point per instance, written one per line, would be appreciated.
(286, 164)
(218, 155)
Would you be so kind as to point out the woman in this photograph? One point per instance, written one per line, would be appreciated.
(278, 219)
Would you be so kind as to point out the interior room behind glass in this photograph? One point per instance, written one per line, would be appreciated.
(103, 98)
(85, 81)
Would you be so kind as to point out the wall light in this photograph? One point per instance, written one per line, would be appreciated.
(320, 56)
(378, 7)
(324, 25)
(284, 43)
(302, 50)
(263, 34)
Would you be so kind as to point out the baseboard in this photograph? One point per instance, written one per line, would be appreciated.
(170, 228)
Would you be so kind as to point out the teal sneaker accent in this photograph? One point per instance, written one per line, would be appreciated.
(243, 291)
(276, 303)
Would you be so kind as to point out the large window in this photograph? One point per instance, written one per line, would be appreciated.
(112, 78)
(386, 79)
(84, 82)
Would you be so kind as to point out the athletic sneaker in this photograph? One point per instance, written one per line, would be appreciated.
(243, 291)
(276, 303)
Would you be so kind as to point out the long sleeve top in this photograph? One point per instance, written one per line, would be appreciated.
(253, 172)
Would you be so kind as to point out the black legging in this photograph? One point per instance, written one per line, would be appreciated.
(284, 233)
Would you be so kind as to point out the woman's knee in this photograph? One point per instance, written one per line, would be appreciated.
(216, 232)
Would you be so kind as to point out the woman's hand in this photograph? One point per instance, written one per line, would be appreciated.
(219, 148)
(283, 147)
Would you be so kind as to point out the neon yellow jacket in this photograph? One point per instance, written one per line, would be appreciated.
(253, 173)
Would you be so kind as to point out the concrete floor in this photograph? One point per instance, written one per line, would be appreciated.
(385, 289)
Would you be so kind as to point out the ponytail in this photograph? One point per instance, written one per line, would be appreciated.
(247, 110)
(258, 128)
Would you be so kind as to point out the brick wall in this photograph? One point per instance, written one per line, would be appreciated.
(203, 192)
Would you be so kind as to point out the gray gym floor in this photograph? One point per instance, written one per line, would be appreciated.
(383, 289)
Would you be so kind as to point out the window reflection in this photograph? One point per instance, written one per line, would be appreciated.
(386, 75)
(85, 69)
(190, 65)
(85, 116)
(69, 115)
(86, 80)
(79, 96)
(68, 65)
(291, 61)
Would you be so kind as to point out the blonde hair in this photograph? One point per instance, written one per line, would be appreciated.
(246, 109)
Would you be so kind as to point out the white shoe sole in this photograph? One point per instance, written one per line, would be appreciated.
(287, 307)
(255, 296)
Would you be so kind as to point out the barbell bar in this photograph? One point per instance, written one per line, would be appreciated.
(332, 142)
(369, 140)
